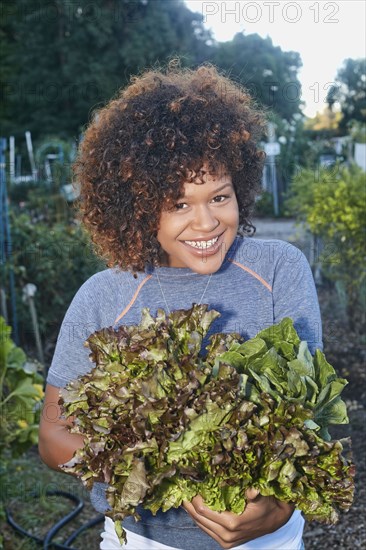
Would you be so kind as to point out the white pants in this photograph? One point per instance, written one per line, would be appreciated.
(288, 537)
(134, 542)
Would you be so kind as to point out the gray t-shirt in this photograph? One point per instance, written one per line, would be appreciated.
(259, 283)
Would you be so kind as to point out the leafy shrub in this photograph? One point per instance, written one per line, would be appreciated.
(264, 205)
(358, 131)
(300, 197)
(332, 202)
(56, 258)
(21, 389)
(42, 202)
(338, 215)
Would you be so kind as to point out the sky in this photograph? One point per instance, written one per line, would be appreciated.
(324, 33)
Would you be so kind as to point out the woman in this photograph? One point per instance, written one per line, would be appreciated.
(169, 172)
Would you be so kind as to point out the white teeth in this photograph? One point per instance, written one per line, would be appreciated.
(202, 244)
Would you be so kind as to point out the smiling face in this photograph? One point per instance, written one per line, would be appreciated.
(199, 230)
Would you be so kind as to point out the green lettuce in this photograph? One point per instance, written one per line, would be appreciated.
(163, 422)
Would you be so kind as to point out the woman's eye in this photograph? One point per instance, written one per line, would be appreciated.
(220, 198)
(180, 205)
(184, 205)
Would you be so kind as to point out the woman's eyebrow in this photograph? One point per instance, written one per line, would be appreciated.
(228, 184)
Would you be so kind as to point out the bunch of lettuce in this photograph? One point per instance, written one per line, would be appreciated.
(163, 423)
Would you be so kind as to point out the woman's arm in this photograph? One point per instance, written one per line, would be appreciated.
(262, 515)
(56, 444)
(295, 296)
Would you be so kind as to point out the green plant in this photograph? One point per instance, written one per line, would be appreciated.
(264, 205)
(42, 202)
(338, 215)
(300, 197)
(332, 202)
(58, 259)
(358, 131)
(21, 389)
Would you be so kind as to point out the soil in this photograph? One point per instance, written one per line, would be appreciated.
(345, 349)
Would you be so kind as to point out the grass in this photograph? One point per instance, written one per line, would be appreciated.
(28, 475)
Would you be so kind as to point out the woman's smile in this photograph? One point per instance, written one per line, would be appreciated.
(205, 247)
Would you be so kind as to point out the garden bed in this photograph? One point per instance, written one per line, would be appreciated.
(346, 351)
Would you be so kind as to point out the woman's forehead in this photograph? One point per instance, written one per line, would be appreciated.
(211, 184)
(206, 170)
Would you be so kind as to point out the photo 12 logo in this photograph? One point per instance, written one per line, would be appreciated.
(252, 12)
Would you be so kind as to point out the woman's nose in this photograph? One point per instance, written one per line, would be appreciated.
(204, 219)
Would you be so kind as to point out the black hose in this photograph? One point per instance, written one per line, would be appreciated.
(47, 540)
(84, 527)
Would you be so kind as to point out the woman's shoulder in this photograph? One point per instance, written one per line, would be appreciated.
(113, 277)
(108, 285)
(252, 251)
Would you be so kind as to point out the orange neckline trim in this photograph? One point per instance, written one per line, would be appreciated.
(253, 273)
(133, 299)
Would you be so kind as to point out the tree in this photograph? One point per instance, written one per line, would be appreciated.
(160, 31)
(64, 58)
(269, 73)
(327, 121)
(350, 92)
(62, 65)
(69, 57)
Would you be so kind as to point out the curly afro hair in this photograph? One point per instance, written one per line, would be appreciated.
(142, 147)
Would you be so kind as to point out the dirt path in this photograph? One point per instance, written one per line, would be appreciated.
(284, 229)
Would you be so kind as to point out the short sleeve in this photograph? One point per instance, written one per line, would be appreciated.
(295, 296)
(71, 357)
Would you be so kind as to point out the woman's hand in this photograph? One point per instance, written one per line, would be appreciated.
(56, 444)
(262, 516)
